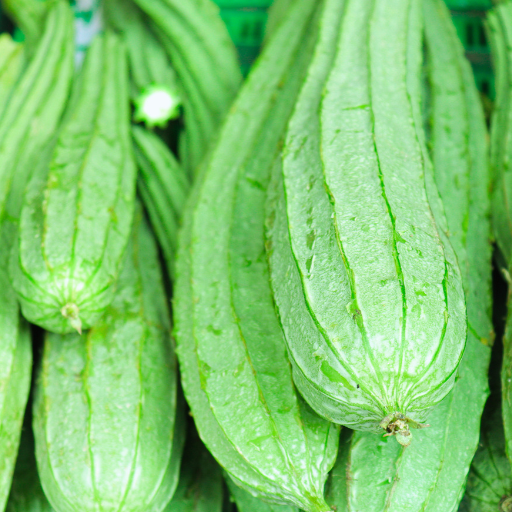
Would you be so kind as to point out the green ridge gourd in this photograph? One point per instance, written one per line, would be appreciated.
(26, 493)
(235, 372)
(77, 211)
(436, 463)
(163, 186)
(150, 69)
(23, 131)
(200, 488)
(369, 293)
(113, 441)
(205, 60)
(499, 24)
(56, 50)
(29, 16)
(489, 486)
(12, 61)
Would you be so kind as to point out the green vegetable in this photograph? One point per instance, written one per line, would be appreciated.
(29, 16)
(489, 487)
(204, 57)
(113, 440)
(12, 61)
(200, 488)
(436, 464)
(77, 211)
(499, 23)
(245, 502)
(35, 105)
(15, 373)
(163, 186)
(245, 406)
(368, 290)
(153, 78)
(26, 492)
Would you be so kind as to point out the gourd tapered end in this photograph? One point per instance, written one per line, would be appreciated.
(398, 425)
(71, 312)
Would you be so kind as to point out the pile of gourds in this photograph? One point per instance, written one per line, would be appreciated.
(273, 295)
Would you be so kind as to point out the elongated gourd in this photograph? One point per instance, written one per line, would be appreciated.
(163, 186)
(27, 123)
(15, 374)
(113, 440)
(445, 450)
(154, 84)
(205, 60)
(77, 211)
(242, 397)
(499, 24)
(26, 494)
(200, 488)
(368, 290)
(12, 60)
(29, 16)
(56, 50)
(489, 486)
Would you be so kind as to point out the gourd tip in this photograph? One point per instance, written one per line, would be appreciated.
(71, 312)
(398, 425)
(506, 504)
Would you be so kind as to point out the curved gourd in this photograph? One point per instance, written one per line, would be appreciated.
(77, 211)
(235, 372)
(461, 171)
(205, 60)
(113, 441)
(163, 186)
(150, 69)
(368, 289)
(12, 61)
(489, 486)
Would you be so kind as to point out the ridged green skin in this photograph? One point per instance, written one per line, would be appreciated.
(490, 478)
(430, 475)
(26, 493)
(29, 16)
(148, 62)
(35, 106)
(56, 50)
(369, 292)
(12, 61)
(276, 14)
(200, 488)
(245, 502)
(113, 441)
(500, 34)
(15, 374)
(245, 406)
(77, 212)
(205, 60)
(163, 186)
(499, 24)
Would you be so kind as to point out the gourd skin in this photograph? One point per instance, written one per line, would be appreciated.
(368, 288)
(77, 211)
(283, 451)
(113, 441)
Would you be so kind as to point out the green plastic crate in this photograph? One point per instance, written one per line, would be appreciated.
(471, 31)
(243, 4)
(468, 5)
(245, 20)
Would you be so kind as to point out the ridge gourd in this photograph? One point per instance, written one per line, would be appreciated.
(368, 289)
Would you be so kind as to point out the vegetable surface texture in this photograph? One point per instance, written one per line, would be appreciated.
(242, 397)
(367, 285)
(78, 210)
(113, 440)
